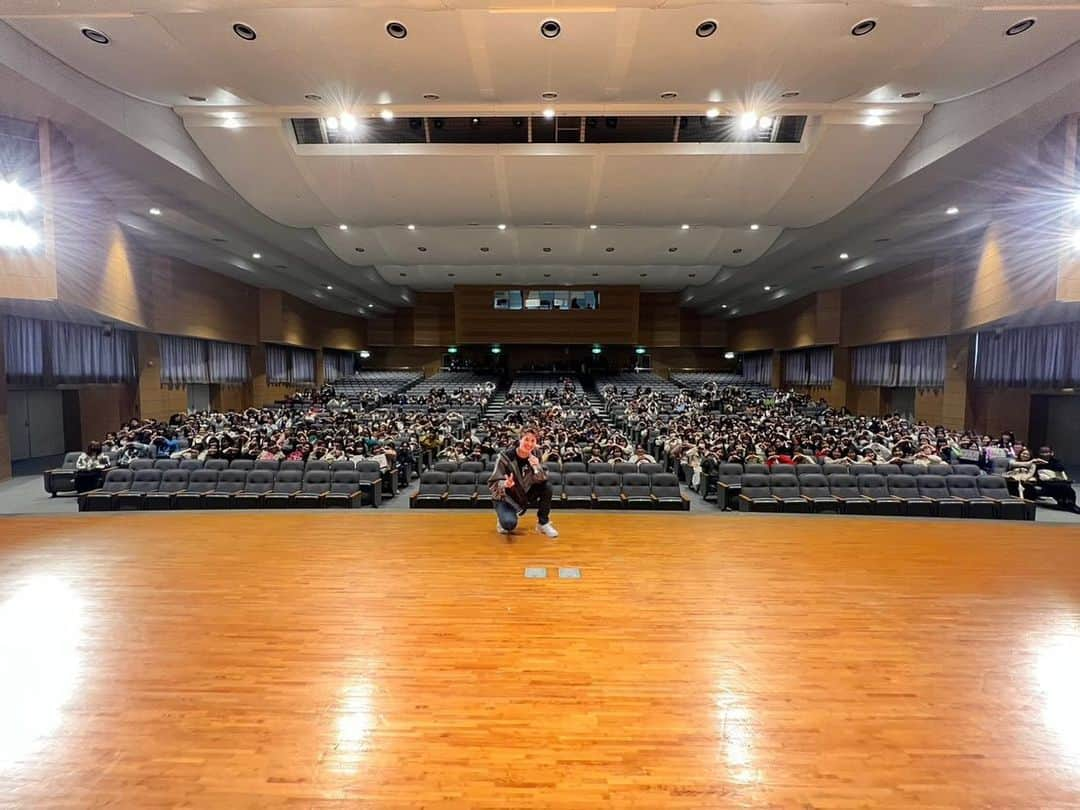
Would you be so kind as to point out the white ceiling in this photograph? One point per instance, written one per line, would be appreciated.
(487, 58)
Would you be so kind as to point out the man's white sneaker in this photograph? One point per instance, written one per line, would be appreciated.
(548, 529)
(499, 528)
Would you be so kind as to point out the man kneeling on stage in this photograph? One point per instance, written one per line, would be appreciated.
(518, 481)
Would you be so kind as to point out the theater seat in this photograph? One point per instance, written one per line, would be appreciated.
(286, 485)
(61, 479)
(172, 482)
(815, 489)
(873, 486)
(607, 491)
(577, 489)
(344, 491)
(97, 500)
(916, 504)
(460, 490)
(845, 488)
(432, 491)
(370, 481)
(666, 492)
(256, 487)
(313, 491)
(756, 495)
(143, 482)
(728, 485)
(785, 488)
(934, 488)
(228, 484)
(637, 491)
(199, 483)
(977, 506)
(1009, 507)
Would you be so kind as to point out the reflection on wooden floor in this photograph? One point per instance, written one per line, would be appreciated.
(403, 660)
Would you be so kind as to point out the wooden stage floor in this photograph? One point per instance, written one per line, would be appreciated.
(403, 660)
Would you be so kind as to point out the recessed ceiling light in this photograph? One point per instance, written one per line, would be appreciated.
(547, 275)
(359, 250)
(755, 227)
(501, 226)
(672, 249)
(911, 94)
(723, 306)
(712, 112)
(706, 28)
(431, 96)
(331, 123)
(422, 249)
(549, 95)
(883, 239)
(737, 251)
(372, 306)
(450, 275)
(484, 249)
(549, 113)
(397, 30)
(197, 98)
(668, 95)
(789, 94)
(387, 115)
(313, 97)
(685, 226)
(348, 122)
(863, 27)
(343, 227)
(748, 120)
(767, 288)
(843, 257)
(952, 210)
(219, 239)
(765, 122)
(692, 275)
(593, 227)
(595, 275)
(155, 212)
(281, 267)
(403, 275)
(644, 275)
(872, 121)
(498, 275)
(411, 227)
(549, 29)
(232, 123)
(817, 267)
(609, 250)
(1020, 27)
(329, 287)
(244, 31)
(547, 250)
(95, 36)
(256, 255)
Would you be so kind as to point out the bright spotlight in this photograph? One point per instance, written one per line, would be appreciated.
(343, 227)
(593, 227)
(332, 123)
(765, 122)
(502, 227)
(155, 212)
(748, 120)
(873, 121)
(364, 354)
(348, 122)
(256, 256)
(1076, 240)
(549, 113)
(15, 199)
(685, 226)
(729, 355)
(387, 115)
(843, 257)
(232, 123)
(952, 210)
(16, 235)
(755, 227)
(712, 112)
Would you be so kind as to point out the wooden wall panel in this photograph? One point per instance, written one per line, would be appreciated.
(380, 331)
(660, 320)
(104, 408)
(614, 322)
(195, 302)
(908, 304)
(864, 400)
(428, 358)
(155, 402)
(956, 411)
(1014, 272)
(792, 326)
(32, 275)
(930, 406)
(667, 359)
(433, 320)
(230, 397)
(305, 325)
(999, 409)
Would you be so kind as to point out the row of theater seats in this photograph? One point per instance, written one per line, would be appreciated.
(955, 496)
(125, 489)
(574, 490)
(620, 468)
(62, 479)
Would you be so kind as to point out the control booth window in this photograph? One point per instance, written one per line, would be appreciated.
(508, 299)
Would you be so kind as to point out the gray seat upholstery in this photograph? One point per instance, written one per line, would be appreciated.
(137, 464)
(887, 470)
(861, 469)
(815, 488)
(164, 464)
(873, 486)
(554, 478)
(666, 492)
(62, 478)
(313, 491)
(1009, 507)
(942, 469)
(755, 469)
(807, 469)
(172, 482)
(191, 464)
(785, 488)
(228, 484)
(577, 489)
(905, 488)
(965, 488)
(241, 464)
(934, 488)
(596, 467)
(341, 465)
(648, 468)
(432, 491)
(291, 465)
(845, 488)
(143, 482)
(471, 466)
(271, 464)
(256, 486)
(756, 495)
(200, 482)
(286, 484)
(116, 480)
(218, 464)
(834, 469)
(965, 469)
(782, 469)
(446, 466)
(637, 491)
(607, 491)
(344, 490)
(461, 489)
(624, 468)
(574, 467)
(728, 485)
(317, 465)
